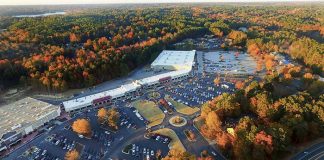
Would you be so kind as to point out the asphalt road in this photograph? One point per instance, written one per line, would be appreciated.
(315, 152)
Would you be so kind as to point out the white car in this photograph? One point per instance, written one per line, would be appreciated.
(44, 152)
(152, 153)
(57, 142)
(214, 153)
(129, 125)
(81, 136)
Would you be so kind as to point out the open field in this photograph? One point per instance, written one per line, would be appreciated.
(175, 143)
(150, 112)
(182, 108)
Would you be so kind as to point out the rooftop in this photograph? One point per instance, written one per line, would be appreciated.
(22, 113)
(87, 100)
(171, 58)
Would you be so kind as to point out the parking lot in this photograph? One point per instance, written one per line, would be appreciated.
(226, 62)
(196, 91)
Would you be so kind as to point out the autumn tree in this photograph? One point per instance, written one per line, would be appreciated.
(269, 62)
(219, 28)
(216, 32)
(262, 105)
(158, 154)
(224, 141)
(74, 38)
(72, 155)
(102, 114)
(265, 139)
(213, 125)
(113, 117)
(109, 117)
(175, 154)
(217, 80)
(82, 126)
(239, 85)
(238, 37)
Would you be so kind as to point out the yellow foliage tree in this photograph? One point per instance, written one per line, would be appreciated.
(102, 113)
(72, 155)
(308, 76)
(175, 154)
(217, 81)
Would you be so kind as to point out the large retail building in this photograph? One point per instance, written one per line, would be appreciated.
(23, 117)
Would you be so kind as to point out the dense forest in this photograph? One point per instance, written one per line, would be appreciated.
(266, 119)
(90, 45)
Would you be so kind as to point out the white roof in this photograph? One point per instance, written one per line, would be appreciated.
(87, 100)
(23, 113)
(172, 58)
(130, 86)
(120, 91)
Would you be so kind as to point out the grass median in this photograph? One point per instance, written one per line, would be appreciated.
(150, 111)
(175, 142)
(182, 108)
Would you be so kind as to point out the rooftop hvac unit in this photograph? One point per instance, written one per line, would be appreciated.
(16, 126)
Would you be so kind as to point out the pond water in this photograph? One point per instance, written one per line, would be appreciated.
(41, 15)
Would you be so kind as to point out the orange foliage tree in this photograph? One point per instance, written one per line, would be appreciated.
(72, 155)
(81, 126)
(308, 76)
(217, 81)
(239, 84)
(102, 113)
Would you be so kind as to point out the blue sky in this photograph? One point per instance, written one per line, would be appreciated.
(40, 2)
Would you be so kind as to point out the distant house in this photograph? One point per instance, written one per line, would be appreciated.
(243, 29)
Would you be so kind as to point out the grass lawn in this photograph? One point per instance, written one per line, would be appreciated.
(127, 149)
(182, 108)
(150, 111)
(175, 142)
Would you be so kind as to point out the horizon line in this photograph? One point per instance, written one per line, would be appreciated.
(178, 2)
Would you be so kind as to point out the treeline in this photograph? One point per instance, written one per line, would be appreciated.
(89, 46)
(82, 61)
(262, 121)
(304, 50)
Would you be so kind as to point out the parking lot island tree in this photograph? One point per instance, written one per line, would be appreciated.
(175, 154)
(72, 155)
(82, 127)
(113, 118)
(109, 117)
(102, 114)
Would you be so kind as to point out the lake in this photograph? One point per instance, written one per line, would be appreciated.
(41, 15)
